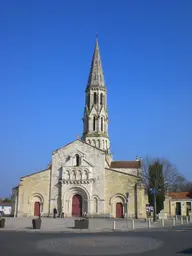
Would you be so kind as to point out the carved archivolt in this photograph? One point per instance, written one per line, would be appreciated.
(117, 197)
(36, 197)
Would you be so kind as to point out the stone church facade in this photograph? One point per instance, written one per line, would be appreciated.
(82, 176)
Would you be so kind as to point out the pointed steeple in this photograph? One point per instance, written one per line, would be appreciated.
(95, 119)
(96, 77)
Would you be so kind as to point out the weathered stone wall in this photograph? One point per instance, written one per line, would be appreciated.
(117, 185)
(34, 188)
(167, 206)
(92, 161)
(141, 201)
(170, 206)
(132, 171)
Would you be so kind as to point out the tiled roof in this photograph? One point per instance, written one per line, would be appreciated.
(180, 195)
(125, 164)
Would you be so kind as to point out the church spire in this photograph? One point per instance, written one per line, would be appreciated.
(95, 120)
(96, 77)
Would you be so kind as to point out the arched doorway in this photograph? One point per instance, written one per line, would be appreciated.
(119, 210)
(76, 205)
(36, 209)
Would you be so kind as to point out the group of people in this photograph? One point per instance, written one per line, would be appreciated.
(55, 214)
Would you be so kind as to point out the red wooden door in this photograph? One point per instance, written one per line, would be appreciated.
(77, 206)
(119, 210)
(36, 209)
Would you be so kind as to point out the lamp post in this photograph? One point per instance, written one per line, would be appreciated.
(126, 207)
(154, 193)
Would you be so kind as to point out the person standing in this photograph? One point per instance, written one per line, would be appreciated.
(54, 213)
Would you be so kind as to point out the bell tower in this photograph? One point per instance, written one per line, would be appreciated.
(95, 120)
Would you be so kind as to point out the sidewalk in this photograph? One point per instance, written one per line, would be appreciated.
(95, 225)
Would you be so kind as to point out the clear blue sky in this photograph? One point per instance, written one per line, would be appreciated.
(45, 53)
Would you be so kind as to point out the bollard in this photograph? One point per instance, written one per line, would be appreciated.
(190, 219)
(114, 225)
(181, 220)
(149, 223)
(187, 219)
(173, 222)
(133, 224)
(163, 222)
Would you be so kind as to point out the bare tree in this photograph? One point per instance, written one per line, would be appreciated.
(169, 171)
(182, 185)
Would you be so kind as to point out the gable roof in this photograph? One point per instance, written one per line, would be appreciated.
(82, 141)
(126, 164)
(180, 195)
(34, 173)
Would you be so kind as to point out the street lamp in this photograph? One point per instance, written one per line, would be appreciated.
(154, 193)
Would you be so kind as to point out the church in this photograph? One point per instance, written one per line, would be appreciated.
(82, 177)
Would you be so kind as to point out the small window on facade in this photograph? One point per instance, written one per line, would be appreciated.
(95, 98)
(101, 123)
(60, 173)
(101, 98)
(88, 100)
(94, 123)
(95, 77)
(77, 160)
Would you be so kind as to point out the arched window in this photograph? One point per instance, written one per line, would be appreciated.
(67, 175)
(60, 173)
(88, 100)
(101, 99)
(79, 175)
(73, 176)
(77, 158)
(94, 123)
(95, 205)
(102, 124)
(95, 98)
(85, 175)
